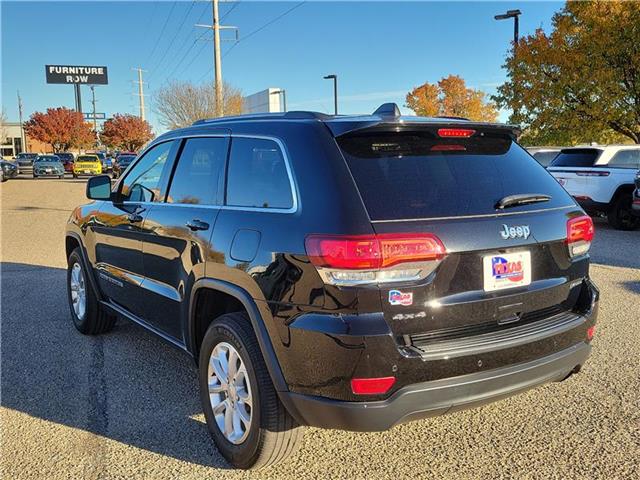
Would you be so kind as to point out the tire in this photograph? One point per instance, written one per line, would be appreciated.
(61, 177)
(93, 320)
(620, 215)
(273, 435)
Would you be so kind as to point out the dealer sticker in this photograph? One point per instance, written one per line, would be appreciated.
(506, 270)
(396, 297)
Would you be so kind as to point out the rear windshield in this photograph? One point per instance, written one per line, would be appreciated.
(87, 158)
(582, 157)
(417, 175)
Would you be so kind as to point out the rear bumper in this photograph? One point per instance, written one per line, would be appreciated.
(591, 206)
(436, 397)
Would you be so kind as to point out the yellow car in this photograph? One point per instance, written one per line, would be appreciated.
(87, 165)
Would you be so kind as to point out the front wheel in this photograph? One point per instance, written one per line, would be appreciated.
(246, 419)
(620, 215)
(87, 315)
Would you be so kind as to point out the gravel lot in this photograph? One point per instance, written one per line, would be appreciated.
(125, 405)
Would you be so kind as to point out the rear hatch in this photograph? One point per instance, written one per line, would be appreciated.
(575, 168)
(500, 265)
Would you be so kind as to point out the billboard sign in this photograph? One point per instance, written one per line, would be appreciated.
(70, 74)
(94, 116)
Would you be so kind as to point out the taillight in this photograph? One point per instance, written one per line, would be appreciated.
(455, 132)
(372, 386)
(591, 332)
(384, 258)
(580, 233)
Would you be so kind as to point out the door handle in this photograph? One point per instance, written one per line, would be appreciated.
(134, 218)
(196, 224)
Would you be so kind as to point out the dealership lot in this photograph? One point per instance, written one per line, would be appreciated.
(125, 405)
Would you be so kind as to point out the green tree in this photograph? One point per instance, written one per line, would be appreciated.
(581, 82)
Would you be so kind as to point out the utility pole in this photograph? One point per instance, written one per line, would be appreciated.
(335, 91)
(217, 61)
(23, 140)
(140, 91)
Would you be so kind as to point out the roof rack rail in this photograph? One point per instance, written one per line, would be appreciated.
(294, 114)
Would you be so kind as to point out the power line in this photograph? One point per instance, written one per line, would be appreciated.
(162, 31)
(230, 10)
(184, 19)
(251, 34)
(185, 55)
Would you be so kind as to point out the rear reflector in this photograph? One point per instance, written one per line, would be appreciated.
(580, 232)
(455, 132)
(372, 386)
(591, 332)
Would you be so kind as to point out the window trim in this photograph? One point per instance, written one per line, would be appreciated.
(181, 138)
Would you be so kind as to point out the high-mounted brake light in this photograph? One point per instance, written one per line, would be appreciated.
(580, 232)
(455, 132)
(358, 259)
(372, 386)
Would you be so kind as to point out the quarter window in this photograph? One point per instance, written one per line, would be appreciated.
(626, 159)
(197, 177)
(142, 183)
(257, 175)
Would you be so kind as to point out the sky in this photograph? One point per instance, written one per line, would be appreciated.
(379, 50)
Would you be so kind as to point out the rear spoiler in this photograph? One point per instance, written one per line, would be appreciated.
(340, 127)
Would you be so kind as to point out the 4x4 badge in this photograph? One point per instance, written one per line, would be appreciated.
(521, 231)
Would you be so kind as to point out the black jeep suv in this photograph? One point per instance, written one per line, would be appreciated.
(349, 272)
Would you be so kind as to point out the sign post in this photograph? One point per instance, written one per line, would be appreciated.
(76, 75)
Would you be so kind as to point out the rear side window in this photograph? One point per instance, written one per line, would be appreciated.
(579, 157)
(197, 177)
(416, 175)
(257, 175)
(626, 159)
(545, 158)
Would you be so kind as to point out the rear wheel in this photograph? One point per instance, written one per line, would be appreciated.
(246, 419)
(620, 215)
(87, 315)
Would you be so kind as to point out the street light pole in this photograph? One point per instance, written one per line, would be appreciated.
(335, 91)
(515, 14)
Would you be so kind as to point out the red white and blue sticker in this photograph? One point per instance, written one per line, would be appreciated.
(396, 297)
(507, 270)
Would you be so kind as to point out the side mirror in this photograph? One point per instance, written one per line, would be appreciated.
(99, 188)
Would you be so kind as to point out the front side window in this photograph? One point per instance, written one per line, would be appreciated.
(257, 175)
(142, 183)
(626, 159)
(197, 177)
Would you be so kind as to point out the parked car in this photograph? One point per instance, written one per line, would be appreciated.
(48, 166)
(67, 160)
(601, 179)
(105, 161)
(544, 155)
(635, 206)
(350, 272)
(88, 164)
(7, 170)
(25, 162)
(121, 163)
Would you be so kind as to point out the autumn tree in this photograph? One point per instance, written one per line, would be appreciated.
(179, 104)
(450, 97)
(61, 127)
(581, 81)
(126, 132)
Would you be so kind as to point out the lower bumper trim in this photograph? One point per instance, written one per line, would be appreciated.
(437, 397)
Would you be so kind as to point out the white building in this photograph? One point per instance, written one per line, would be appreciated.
(267, 101)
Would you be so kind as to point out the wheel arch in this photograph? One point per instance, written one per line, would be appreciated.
(621, 190)
(255, 317)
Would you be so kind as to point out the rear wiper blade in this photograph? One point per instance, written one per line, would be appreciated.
(521, 199)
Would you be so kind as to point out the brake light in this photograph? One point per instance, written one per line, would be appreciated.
(580, 232)
(455, 132)
(372, 386)
(591, 332)
(358, 259)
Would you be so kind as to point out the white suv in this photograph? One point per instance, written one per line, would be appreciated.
(601, 179)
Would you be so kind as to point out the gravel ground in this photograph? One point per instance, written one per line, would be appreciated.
(125, 405)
